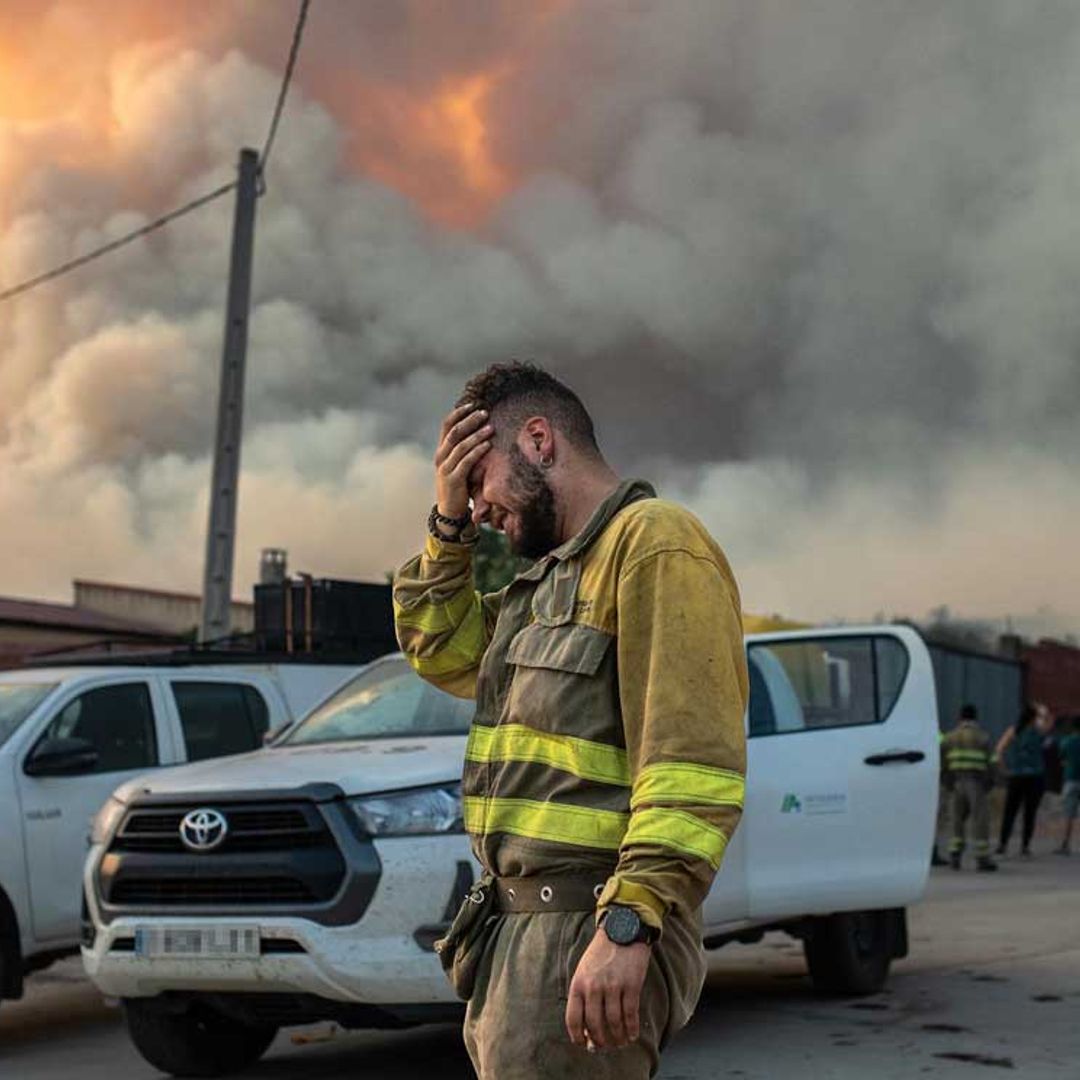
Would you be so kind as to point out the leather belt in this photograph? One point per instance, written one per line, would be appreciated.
(549, 893)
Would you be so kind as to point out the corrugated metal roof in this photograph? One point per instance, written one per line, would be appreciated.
(68, 617)
(138, 590)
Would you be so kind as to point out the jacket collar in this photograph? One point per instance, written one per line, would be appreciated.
(627, 492)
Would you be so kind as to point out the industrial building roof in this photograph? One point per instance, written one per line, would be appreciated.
(68, 617)
(143, 591)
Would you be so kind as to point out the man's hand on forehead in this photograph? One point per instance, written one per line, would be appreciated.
(464, 439)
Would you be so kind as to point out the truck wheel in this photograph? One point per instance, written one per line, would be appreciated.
(850, 953)
(11, 971)
(196, 1042)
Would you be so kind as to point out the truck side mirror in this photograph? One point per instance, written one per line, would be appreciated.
(61, 757)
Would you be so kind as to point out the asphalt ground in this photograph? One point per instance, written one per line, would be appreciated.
(992, 985)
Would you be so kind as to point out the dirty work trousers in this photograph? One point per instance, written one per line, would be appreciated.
(515, 1025)
(1026, 791)
(970, 799)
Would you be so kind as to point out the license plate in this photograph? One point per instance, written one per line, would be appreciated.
(227, 942)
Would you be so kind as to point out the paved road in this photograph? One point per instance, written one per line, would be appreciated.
(993, 983)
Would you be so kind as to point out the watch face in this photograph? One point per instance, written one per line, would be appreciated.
(622, 925)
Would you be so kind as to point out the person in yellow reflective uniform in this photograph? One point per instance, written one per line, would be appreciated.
(605, 770)
(968, 759)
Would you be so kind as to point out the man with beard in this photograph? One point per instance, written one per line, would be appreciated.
(604, 771)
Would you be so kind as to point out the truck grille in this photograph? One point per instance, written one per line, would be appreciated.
(255, 829)
(239, 890)
(280, 853)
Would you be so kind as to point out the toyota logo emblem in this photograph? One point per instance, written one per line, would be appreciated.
(203, 830)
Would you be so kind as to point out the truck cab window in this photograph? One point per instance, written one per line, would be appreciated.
(823, 683)
(220, 718)
(118, 721)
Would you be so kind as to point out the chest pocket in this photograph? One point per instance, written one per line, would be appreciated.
(564, 681)
(576, 649)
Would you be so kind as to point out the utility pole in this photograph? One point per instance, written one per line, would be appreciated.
(221, 529)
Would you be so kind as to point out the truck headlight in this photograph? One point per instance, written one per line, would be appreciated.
(425, 811)
(106, 820)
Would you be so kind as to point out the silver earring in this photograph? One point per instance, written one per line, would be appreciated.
(546, 461)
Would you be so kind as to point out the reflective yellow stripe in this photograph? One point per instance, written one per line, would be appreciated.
(579, 757)
(971, 757)
(688, 783)
(436, 618)
(560, 822)
(462, 650)
(678, 830)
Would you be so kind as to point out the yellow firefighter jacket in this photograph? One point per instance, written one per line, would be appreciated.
(966, 749)
(610, 685)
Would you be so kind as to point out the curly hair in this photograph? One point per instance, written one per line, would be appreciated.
(518, 390)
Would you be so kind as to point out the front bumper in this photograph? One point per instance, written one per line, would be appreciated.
(379, 960)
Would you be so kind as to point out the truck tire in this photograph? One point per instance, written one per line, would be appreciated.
(196, 1042)
(850, 953)
(11, 962)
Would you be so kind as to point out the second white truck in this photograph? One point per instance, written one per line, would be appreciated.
(69, 735)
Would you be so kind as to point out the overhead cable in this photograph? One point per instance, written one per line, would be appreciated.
(279, 107)
(82, 260)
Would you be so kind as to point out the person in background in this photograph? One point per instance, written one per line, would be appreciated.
(1021, 748)
(1069, 748)
(966, 755)
(1053, 774)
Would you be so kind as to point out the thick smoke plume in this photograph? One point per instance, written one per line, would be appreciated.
(814, 266)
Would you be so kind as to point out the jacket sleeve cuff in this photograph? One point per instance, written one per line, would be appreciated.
(450, 550)
(649, 907)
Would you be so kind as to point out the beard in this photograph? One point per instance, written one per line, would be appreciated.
(535, 510)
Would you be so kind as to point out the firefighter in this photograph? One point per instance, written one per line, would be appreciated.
(968, 760)
(604, 771)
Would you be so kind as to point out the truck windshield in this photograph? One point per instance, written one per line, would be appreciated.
(17, 702)
(388, 700)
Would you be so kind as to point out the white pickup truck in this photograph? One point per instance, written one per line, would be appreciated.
(68, 736)
(308, 880)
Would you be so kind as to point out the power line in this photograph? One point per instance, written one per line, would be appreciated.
(105, 249)
(195, 204)
(294, 51)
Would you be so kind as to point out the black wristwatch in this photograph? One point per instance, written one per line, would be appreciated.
(623, 926)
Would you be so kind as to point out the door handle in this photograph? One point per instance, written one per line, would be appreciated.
(900, 757)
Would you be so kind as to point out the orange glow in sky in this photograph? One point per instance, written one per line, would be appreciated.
(435, 150)
(59, 64)
(56, 95)
(462, 107)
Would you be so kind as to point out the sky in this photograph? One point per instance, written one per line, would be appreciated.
(812, 266)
